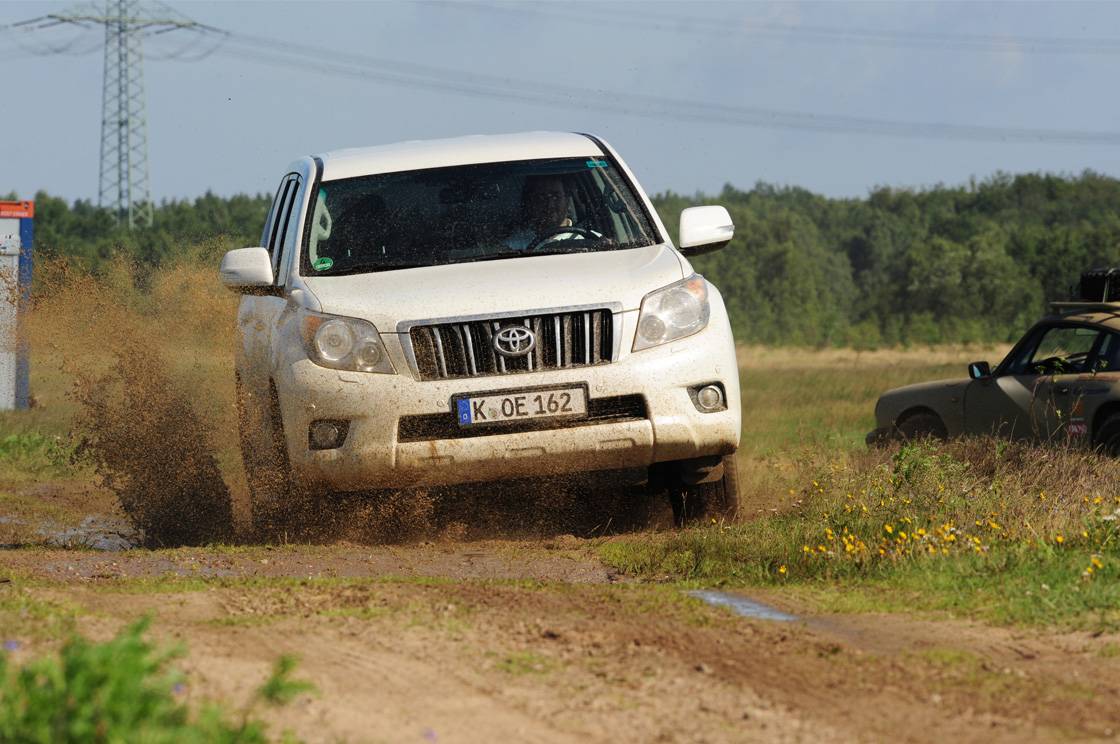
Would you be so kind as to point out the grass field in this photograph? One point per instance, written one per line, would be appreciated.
(528, 629)
(820, 511)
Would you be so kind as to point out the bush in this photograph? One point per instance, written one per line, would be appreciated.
(35, 453)
(121, 691)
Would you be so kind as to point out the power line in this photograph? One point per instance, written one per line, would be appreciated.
(124, 174)
(123, 183)
(651, 20)
(314, 59)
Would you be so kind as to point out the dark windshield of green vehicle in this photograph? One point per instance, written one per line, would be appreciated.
(472, 213)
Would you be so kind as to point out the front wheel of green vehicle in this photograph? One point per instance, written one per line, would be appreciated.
(1108, 436)
(922, 425)
(715, 499)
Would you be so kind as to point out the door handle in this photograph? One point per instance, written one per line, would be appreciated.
(1063, 391)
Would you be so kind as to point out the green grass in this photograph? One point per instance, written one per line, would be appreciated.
(33, 455)
(802, 399)
(1007, 587)
(1006, 533)
(124, 689)
(24, 616)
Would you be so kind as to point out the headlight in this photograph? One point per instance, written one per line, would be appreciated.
(673, 312)
(337, 342)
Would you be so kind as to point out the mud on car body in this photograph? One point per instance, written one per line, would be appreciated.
(1059, 383)
(481, 309)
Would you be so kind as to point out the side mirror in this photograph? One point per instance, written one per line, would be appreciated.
(248, 271)
(978, 370)
(704, 229)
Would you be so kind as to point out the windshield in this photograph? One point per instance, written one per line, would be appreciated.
(472, 213)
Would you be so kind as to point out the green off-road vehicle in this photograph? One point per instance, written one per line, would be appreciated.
(1060, 382)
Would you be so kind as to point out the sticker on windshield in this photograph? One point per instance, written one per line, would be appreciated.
(323, 263)
(597, 163)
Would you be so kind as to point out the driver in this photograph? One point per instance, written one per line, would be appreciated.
(544, 212)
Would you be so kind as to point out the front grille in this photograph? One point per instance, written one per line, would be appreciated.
(430, 426)
(578, 338)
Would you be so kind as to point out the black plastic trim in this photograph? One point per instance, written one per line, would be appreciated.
(430, 426)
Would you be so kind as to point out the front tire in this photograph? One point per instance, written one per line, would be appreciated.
(716, 499)
(922, 425)
(273, 497)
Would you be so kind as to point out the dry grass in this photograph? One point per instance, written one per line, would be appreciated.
(1006, 530)
(178, 323)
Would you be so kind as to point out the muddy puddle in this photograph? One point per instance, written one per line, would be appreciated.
(96, 533)
(742, 606)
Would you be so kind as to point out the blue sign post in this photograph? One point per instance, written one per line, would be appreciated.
(16, 235)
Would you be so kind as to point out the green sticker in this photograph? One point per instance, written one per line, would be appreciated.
(322, 264)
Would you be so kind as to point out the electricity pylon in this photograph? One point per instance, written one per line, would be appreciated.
(123, 184)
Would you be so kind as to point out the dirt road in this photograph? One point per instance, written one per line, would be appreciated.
(538, 641)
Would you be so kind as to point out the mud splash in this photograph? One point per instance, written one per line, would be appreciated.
(140, 419)
(151, 448)
(148, 357)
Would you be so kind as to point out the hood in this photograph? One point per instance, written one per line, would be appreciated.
(506, 285)
(921, 388)
(942, 396)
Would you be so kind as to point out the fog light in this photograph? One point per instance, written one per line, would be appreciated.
(327, 434)
(710, 398)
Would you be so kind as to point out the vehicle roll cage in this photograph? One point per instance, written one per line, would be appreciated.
(1072, 307)
(1094, 283)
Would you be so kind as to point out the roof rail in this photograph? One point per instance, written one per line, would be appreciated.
(1075, 305)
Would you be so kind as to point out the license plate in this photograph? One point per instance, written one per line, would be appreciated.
(506, 406)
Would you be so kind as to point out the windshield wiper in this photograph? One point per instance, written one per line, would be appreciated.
(530, 254)
(372, 268)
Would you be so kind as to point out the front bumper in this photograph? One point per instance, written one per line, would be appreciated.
(380, 452)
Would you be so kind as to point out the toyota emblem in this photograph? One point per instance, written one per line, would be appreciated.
(514, 341)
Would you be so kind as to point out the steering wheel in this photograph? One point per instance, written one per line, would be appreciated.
(559, 230)
(1054, 365)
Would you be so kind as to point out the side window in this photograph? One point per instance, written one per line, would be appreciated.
(290, 238)
(1108, 355)
(270, 223)
(283, 217)
(1059, 350)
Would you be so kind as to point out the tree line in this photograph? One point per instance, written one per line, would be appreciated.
(976, 262)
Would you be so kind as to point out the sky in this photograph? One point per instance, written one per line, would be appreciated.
(692, 95)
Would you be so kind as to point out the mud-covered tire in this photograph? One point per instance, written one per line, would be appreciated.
(1107, 439)
(923, 425)
(717, 499)
(274, 501)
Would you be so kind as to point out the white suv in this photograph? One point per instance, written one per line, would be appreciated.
(478, 309)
